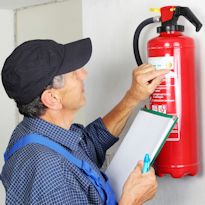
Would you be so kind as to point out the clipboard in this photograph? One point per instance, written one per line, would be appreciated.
(147, 134)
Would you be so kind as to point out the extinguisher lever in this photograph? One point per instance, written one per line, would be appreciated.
(188, 14)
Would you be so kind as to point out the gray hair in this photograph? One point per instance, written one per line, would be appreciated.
(36, 108)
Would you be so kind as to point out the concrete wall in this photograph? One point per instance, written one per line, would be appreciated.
(111, 25)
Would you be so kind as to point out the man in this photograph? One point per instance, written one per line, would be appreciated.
(49, 160)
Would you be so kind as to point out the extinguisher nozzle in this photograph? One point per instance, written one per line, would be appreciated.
(198, 27)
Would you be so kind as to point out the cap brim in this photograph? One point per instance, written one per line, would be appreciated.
(76, 55)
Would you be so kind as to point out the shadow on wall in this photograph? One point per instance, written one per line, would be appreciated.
(199, 104)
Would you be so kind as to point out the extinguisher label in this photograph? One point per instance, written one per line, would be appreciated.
(164, 98)
(166, 62)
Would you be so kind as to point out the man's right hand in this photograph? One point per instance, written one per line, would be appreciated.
(139, 187)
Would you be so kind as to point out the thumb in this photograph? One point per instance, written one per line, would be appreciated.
(139, 166)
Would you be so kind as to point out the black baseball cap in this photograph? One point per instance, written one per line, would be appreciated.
(32, 66)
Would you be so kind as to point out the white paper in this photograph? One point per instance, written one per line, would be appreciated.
(146, 135)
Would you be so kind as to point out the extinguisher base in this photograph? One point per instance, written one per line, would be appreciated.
(177, 172)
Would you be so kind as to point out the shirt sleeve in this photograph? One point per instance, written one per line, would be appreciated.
(98, 140)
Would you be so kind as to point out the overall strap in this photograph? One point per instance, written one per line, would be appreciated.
(97, 181)
(38, 139)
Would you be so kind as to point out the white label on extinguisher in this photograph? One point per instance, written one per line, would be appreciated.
(165, 62)
(164, 98)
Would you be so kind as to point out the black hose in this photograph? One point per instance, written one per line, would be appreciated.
(136, 38)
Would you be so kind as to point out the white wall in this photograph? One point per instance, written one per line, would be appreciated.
(111, 25)
(14, 4)
(60, 21)
(7, 111)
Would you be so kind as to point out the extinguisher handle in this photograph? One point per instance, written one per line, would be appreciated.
(188, 14)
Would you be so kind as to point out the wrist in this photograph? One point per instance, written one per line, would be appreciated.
(131, 99)
(126, 200)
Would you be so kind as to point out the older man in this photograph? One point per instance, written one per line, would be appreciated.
(49, 160)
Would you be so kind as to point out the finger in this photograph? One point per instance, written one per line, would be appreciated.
(152, 170)
(140, 163)
(145, 65)
(139, 166)
(154, 74)
(145, 68)
(154, 83)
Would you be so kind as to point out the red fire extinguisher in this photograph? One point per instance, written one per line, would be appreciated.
(176, 95)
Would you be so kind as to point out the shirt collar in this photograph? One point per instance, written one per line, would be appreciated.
(69, 138)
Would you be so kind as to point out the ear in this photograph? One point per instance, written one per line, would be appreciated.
(51, 99)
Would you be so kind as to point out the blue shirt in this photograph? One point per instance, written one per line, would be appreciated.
(39, 175)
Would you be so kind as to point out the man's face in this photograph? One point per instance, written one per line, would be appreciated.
(72, 94)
